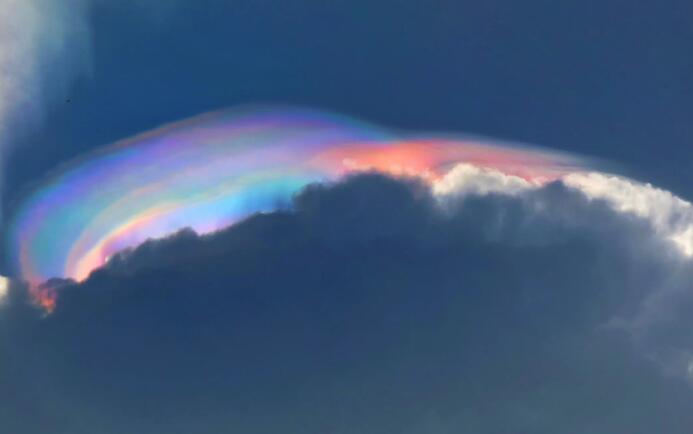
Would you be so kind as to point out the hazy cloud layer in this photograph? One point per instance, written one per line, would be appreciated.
(368, 310)
(44, 45)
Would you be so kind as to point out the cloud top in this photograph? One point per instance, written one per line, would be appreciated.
(215, 169)
(364, 308)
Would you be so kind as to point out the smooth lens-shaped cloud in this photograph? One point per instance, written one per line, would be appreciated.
(214, 169)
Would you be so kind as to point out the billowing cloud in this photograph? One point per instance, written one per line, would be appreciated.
(218, 168)
(211, 170)
(517, 291)
(670, 216)
(469, 179)
(364, 308)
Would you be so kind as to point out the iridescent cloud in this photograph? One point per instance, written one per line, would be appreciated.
(212, 170)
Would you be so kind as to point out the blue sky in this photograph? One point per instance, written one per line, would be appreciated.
(371, 305)
(608, 79)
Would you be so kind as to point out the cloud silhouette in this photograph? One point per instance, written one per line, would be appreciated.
(372, 305)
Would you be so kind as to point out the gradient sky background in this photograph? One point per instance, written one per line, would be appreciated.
(364, 309)
(610, 79)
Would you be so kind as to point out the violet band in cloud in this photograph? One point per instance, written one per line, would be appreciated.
(214, 169)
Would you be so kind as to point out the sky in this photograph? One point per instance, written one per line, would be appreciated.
(367, 217)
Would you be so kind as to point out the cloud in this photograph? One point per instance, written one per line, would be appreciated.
(4, 289)
(470, 179)
(670, 216)
(655, 323)
(366, 309)
(44, 45)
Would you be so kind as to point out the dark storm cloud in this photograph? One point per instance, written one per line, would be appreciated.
(366, 309)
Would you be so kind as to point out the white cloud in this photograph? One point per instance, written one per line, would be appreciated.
(4, 288)
(469, 179)
(43, 45)
(670, 216)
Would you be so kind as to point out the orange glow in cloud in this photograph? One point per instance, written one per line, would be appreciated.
(432, 159)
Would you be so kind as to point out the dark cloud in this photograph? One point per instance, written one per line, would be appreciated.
(367, 309)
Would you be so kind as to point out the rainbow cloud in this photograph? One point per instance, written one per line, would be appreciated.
(212, 170)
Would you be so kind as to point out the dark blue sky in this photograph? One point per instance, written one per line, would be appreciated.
(611, 79)
(370, 305)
